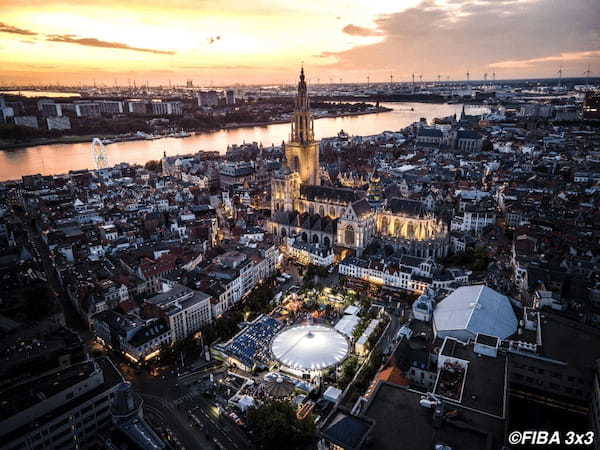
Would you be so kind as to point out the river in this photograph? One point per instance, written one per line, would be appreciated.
(60, 158)
(48, 94)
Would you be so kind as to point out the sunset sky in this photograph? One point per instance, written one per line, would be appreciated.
(264, 41)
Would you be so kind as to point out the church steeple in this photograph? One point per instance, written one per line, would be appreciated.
(302, 124)
(302, 97)
(302, 150)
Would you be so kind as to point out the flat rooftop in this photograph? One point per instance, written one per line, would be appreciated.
(485, 383)
(171, 295)
(564, 340)
(26, 395)
(402, 424)
(30, 342)
(348, 431)
(45, 385)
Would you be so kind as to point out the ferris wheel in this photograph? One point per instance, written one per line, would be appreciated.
(99, 154)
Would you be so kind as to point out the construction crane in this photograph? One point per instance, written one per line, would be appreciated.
(468, 74)
(99, 154)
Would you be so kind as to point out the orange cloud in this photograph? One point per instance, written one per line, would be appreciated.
(5, 28)
(563, 57)
(93, 42)
(354, 30)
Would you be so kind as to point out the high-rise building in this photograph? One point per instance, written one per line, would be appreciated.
(208, 98)
(230, 96)
(26, 121)
(58, 123)
(49, 108)
(111, 106)
(166, 108)
(137, 106)
(63, 409)
(88, 109)
(591, 106)
(185, 310)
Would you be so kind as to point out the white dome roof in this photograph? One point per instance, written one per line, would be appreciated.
(475, 309)
(309, 347)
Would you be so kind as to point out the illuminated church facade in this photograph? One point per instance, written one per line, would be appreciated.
(338, 217)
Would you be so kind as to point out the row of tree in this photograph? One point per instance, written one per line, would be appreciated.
(275, 426)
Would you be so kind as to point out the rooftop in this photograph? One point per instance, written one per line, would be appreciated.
(29, 394)
(311, 192)
(348, 431)
(176, 293)
(402, 424)
(475, 309)
(557, 331)
(485, 383)
(310, 347)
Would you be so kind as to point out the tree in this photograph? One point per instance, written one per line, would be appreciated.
(37, 303)
(348, 369)
(153, 166)
(276, 426)
(313, 271)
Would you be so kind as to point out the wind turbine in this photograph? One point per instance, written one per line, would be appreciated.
(587, 74)
(560, 74)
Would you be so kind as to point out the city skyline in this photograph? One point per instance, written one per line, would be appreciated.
(225, 43)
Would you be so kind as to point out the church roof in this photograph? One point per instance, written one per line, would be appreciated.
(315, 222)
(284, 217)
(326, 193)
(467, 134)
(307, 221)
(430, 132)
(405, 206)
(361, 207)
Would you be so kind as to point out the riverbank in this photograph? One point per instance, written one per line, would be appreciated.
(316, 117)
(56, 159)
(122, 138)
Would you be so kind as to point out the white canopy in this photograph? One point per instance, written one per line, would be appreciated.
(309, 347)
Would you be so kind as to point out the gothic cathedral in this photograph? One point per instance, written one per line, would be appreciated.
(338, 217)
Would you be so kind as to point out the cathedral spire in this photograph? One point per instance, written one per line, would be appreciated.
(302, 124)
(302, 96)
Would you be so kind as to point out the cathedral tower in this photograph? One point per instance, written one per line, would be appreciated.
(302, 152)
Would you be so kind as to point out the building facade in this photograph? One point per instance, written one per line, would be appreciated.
(63, 409)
